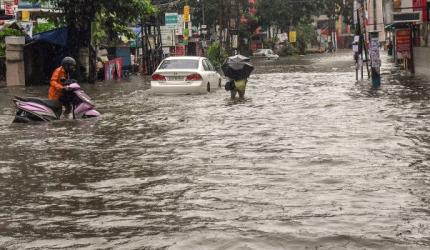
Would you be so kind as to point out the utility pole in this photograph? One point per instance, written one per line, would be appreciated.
(374, 50)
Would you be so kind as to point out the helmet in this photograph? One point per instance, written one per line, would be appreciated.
(69, 64)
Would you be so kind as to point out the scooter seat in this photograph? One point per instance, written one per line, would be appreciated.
(54, 105)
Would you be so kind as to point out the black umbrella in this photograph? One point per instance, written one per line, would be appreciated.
(236, 68)
(239, 58)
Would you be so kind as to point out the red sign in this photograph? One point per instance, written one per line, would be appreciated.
(421, 5)
(113, 69)
(403, 43)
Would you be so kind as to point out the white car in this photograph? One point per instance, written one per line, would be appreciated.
(267, 53)
(185, 75)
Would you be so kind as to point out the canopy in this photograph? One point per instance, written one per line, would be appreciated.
(57, 37)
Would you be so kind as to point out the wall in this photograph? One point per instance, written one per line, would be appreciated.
(422, 61)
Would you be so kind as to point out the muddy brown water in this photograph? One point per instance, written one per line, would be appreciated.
(310, 160)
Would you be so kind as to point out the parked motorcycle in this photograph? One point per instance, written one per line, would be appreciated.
(36, 109)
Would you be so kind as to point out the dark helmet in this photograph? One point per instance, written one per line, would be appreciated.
(69, 64)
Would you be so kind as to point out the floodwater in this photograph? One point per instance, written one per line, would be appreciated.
(311, 159)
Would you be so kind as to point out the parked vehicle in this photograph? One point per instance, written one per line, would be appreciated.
(31, 109)
(266, 53)
(185, 75)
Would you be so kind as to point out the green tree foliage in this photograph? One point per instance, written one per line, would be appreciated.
(287, 13)
(111, 17)
(305, 35)
(216, 54)
(78, 15)
(42, 27)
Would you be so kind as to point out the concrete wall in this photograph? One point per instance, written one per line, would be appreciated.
(422, 61)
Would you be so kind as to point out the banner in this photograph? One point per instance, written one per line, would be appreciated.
(375, 60)
(403, 43)
(113, 69)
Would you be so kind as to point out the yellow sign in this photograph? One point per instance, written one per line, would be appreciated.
(25, 16)
(186, 10)
(293, 36)
(186, 18)
(186, 13)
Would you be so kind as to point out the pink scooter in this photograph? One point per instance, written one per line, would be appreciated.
(36, 109)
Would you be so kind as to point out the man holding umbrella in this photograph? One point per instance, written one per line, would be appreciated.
(238, 68)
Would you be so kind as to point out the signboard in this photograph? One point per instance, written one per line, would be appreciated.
(407, 17)
(180, 25)
(25, 16)
(293, 36)
(168, 36)
(171, 20)
(356, 44)
(403, 43)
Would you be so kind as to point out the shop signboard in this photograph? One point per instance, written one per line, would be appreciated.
(403, 43)
(171, 20)
(407, 17)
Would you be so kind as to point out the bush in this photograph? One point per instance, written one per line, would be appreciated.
(288, 50)
(216, 54)
(42, 27)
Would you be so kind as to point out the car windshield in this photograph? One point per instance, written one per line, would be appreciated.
(180, 64)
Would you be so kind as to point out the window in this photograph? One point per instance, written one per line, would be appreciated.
(180, 64)
(206, 65)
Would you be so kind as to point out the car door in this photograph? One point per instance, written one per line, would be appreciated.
(208, 73)
(214, 75)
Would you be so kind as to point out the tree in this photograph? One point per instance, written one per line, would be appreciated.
(112, 16)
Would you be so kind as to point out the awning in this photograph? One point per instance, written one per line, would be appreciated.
(57, 37)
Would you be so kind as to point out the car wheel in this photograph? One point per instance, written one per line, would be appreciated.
(208, 87)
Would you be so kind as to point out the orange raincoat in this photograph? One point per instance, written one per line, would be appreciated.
(55, 91)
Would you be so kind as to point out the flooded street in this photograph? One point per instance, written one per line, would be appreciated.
(311, 160)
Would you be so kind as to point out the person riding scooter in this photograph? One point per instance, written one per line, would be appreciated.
(59, 77)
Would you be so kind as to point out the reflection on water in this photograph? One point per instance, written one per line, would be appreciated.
(310, 159)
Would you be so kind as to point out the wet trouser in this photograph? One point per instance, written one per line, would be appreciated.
(234, 91)
(66, 101)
